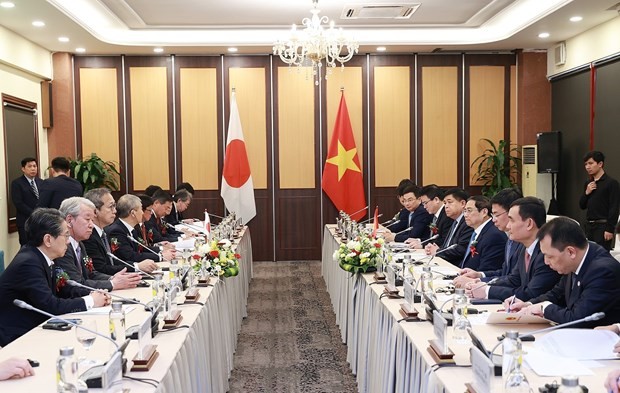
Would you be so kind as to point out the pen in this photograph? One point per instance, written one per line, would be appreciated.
(511, 303)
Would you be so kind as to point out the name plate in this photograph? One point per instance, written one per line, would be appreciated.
(440, 328)
(483, 370)
(409, 289)
(144, 335)
(112, 376)
(390, 275)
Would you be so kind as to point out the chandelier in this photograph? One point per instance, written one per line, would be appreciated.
(316, 43)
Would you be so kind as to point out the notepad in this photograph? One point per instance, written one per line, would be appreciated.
(513, 318)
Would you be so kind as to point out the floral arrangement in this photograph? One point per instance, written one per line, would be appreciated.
(433, 228)
(360, 255)
(217, 258)
(88, 262)
(61, 278)
(472, 248)
(114, 245)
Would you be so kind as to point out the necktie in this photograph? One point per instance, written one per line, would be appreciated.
(106, 244)
(452, 230)
(78, 257)
(144, 237)
(34, 188)
(468, 251)
(410, 217)
(527, 261)
(507, 255)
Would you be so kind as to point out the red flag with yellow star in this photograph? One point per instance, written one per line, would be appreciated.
(342, 175)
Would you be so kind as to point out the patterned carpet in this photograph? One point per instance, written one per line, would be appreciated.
(290, 342)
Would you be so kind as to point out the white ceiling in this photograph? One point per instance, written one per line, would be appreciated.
(210, 26)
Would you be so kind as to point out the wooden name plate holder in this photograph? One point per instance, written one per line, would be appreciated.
(392, 292)
(145, 362)
(379, 277)
(204, 282)
(409, 313)
(173, 319)
(192, 294)
(437, 353)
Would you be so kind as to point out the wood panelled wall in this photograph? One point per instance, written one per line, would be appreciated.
(164, 120)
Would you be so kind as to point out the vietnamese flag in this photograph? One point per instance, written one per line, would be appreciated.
(342, 175)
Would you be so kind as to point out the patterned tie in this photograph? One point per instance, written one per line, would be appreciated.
(144, 237)
(527, 261)
(78, 256)
(34, 188)
(452, 230)
(507, 255)
(467, 250)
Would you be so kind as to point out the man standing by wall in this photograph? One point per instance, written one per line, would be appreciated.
(25, 195)
(601, 200)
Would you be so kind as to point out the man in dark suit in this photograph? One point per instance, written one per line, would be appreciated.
(180, 202)
(531, 277)
(590, 278)
(487, 243)
(79, 213)
(30, 277)
(129, 211)
(418, 218)
(98, 244)
(162, 232)
(459, 234)
(25, 194)
(431, 198)
(60, 185)
(400, 219)
(500, 204)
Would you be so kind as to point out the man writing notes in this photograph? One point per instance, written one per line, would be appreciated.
(431, 198)
(485, 250)
(417, 218)
(590, 277)
(500, 204)
(531, 277)
(601, 200)
(459, 234)
(25, 195)
(30, 277)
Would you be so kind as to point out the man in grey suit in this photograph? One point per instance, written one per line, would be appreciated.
(79, 213)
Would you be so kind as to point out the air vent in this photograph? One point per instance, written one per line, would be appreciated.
(529, 155)
(559, 54)
(379, 11)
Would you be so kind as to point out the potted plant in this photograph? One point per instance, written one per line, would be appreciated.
(93, 172)
(498, 167)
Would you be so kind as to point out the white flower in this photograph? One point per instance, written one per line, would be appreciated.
(365, 255)
(217, 268)
(351, 255)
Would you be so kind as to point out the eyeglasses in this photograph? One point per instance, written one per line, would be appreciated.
(424, 202)
(495, 215)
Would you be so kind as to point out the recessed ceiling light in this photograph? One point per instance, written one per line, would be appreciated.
(38, 23)
(7, 4)
(232, 50)
(576, 19)
(543, 35)
(381, 49)
(63, 39)
(80, 50)
(158, 50)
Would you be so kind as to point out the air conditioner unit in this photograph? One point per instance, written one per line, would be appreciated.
(534, 183)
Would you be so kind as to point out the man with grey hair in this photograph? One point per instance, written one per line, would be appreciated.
(129, 211)
(98, 244)
(79, 213)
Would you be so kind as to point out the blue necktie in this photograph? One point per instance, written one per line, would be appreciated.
(451, 234)
(409, 222)
(507, 268)
(467, 251)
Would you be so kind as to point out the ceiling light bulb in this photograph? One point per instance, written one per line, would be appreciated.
(7, 4)
(543, 35)
(63, 39)
(381, 49)
(232, 50)
(80, 50)
(576, 19)
(38, 23)
(158, 50)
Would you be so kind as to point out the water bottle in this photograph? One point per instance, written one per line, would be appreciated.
(516, 382)
(460, 322)
(426, 283)
(67, 372)
(117, 323)
(509, 346)
(570, 384)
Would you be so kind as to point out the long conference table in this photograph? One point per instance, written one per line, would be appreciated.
(390, 355)
(198, 358)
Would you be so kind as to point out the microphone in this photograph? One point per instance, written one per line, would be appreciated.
(216, 216)
(169, 225)
(429, 239)
(441, 252)
(403, 231)
(130, 265)
(594, 317)
(371, 218)
(194, 228)
(26, 306)
(74, 283)
(148, 248)
(360, 210)
(394, 223)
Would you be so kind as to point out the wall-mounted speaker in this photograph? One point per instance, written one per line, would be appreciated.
(46, 104)
(549, 150)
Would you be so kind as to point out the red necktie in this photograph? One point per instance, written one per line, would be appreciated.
(527, 261)
(144, 237)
